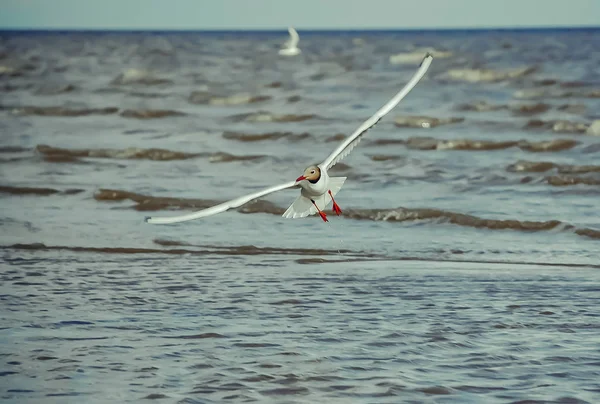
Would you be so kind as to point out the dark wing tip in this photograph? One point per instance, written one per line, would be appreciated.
(427, 55)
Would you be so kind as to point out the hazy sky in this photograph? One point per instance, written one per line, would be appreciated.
(276, 14)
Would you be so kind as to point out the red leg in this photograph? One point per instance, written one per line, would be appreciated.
(321, 213)
(336, 207)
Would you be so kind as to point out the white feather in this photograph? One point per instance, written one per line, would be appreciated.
(234, 203)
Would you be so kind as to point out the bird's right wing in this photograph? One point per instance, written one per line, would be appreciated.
(350, 143)
(213, 210)
(294, 37)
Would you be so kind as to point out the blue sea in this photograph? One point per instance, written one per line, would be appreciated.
(465, 267)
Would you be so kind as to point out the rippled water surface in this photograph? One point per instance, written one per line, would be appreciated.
(463, 269)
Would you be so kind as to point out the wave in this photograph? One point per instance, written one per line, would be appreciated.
(196, 250)
(249, 137)
(311, 256)
(57, 154)
(521, 109)
(429, 143)
(542, 166)
(60, 155)
(263, 116)
(424, 121)
(59, 111)
(436, 216)
(37, 191)
(206, 98)
(558, 126)
(564, 180)
(150, 113)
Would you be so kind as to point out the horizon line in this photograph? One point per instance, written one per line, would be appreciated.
(266, 30)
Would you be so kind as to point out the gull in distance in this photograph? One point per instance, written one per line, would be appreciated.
(291, 45)
(317, 187)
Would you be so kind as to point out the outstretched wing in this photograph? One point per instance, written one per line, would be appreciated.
(294, 38)
(213, 210)
(350, 143)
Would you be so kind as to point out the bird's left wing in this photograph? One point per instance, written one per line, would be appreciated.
(348, 144)
(213, 210)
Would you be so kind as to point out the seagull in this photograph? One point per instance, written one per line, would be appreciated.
(291, 48)
(317, 188)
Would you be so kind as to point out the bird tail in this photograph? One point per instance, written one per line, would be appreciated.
(303, 206)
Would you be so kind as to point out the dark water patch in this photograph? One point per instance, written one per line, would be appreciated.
(547, 146)
(263, 116)
(577, 109)
(59, 111)
(529, 109)
(435, 390)
(338, 137)
(49, 89)
(286, 391)
(61, 154)
(197, 336)
(255, 345)
(7, 373)
(20, 391)
(207, 98)
(248, 137)
(13, 149)
(481, 106)
(382, 157)
(46, 358)
(37, 191)
(208, 250)
(564, 180)
(150, 113)
(293, 99)
(558, 126)
(258, 378)
(424, 121)
(155, 396)
(171, 243)
(287, 301)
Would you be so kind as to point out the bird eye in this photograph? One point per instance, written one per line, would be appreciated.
(312, 172)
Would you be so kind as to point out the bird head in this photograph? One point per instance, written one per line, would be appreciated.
(312, 173)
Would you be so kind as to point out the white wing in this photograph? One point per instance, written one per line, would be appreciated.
(294, 38)
(213, 210)
(348, 144)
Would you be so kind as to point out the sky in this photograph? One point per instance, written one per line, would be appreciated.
(303, 14)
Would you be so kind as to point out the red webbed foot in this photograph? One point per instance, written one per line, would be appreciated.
(336, 207)
(321, 213)
(323, 216)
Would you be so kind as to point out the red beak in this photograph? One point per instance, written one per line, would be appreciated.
(300, 178)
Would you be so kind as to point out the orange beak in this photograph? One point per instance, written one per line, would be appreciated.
(301, 178)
